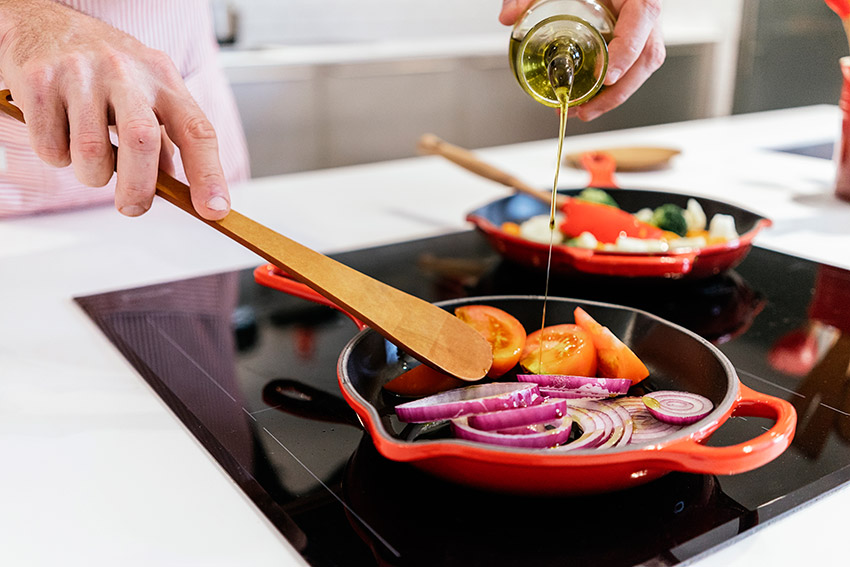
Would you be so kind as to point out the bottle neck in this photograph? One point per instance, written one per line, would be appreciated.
(562, 60)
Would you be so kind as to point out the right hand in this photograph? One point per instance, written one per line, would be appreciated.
(73, 75)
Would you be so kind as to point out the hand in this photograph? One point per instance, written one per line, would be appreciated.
(73, 75)
(635, 52)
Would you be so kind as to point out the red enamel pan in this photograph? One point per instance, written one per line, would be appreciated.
(677, 359)
(529, 202)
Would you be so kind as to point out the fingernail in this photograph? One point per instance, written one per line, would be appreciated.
(612, 76)
(132, 210)
(218, 204)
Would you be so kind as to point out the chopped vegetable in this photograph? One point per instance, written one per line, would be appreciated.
(517, 417)
(614, 359)
(604, 222)
(670, 217)
(722, 227)
(583, 240)
(511, 228)
(541, 438)
(478, 398)
(537, 229)
(644, 215)
(505, 334)
(559, 349)
(678, 408)
(643, 245)
(578, 386)
(646, 426)
(594, 195)
(422, 380)
(689, 243)
(694, 216)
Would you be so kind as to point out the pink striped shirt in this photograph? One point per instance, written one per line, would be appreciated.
(180, 28)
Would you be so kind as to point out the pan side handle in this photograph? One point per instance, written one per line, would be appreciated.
(689, 455)
(271, 276)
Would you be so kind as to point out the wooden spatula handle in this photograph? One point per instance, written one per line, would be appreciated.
(432, 145)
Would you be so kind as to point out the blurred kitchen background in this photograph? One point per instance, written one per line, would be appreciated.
(325, 83)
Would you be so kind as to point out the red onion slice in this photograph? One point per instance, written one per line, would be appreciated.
(646, 427)
(592, 428)
(517, 417)
(609, 386)
(678, 408)
(527, 439)
(478, 398)
(618, 423)
(561, 386)
(570, 394)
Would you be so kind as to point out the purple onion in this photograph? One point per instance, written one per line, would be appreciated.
(563, 386)
(517, 417)
(528, 439)
(677, 408)
(478, 398)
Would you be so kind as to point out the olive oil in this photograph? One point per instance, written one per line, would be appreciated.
(561, 34)
(563, 95)
(533, 66)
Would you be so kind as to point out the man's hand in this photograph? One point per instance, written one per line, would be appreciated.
(73, 76)
(635, 52)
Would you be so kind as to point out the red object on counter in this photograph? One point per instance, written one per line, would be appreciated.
(842, 155)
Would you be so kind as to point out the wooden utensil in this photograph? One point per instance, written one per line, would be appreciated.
(430, 144)
(425, 331)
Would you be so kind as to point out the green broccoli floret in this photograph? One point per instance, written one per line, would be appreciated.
(594, 195)
(670, 217)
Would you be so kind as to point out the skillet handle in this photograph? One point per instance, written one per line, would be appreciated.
(271, 276)
(690, 456)
(601, 167)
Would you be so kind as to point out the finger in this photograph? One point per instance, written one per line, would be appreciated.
(91, 150)
(138, 155)
(635, 23)
(47, 123)
(166, 153)
(615, 95)
(511, 10)
(190, 130)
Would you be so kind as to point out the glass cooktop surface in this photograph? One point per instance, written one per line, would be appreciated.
(251, 372)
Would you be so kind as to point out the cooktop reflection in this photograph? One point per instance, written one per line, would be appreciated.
(251, 372)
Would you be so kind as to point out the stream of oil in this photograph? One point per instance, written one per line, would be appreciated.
(563, 94)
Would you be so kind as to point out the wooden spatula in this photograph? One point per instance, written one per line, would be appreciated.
(425, 331)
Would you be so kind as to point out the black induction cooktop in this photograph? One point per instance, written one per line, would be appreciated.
(251, 372)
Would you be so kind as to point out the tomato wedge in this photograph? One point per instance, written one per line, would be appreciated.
(423, 380)
(559, 349)
(614, 358)
(502, 330)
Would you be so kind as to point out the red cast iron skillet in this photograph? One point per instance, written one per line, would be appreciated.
(700, 263)
(677, 359)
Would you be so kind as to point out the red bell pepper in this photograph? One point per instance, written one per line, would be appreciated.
(604, 222)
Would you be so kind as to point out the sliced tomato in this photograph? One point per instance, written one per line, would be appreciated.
(614, 358)
(423, 380)
(502, 330)
(559, 349)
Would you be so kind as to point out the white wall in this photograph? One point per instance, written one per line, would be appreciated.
(318, 21)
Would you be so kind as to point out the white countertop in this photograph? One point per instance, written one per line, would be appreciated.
(97, 471)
